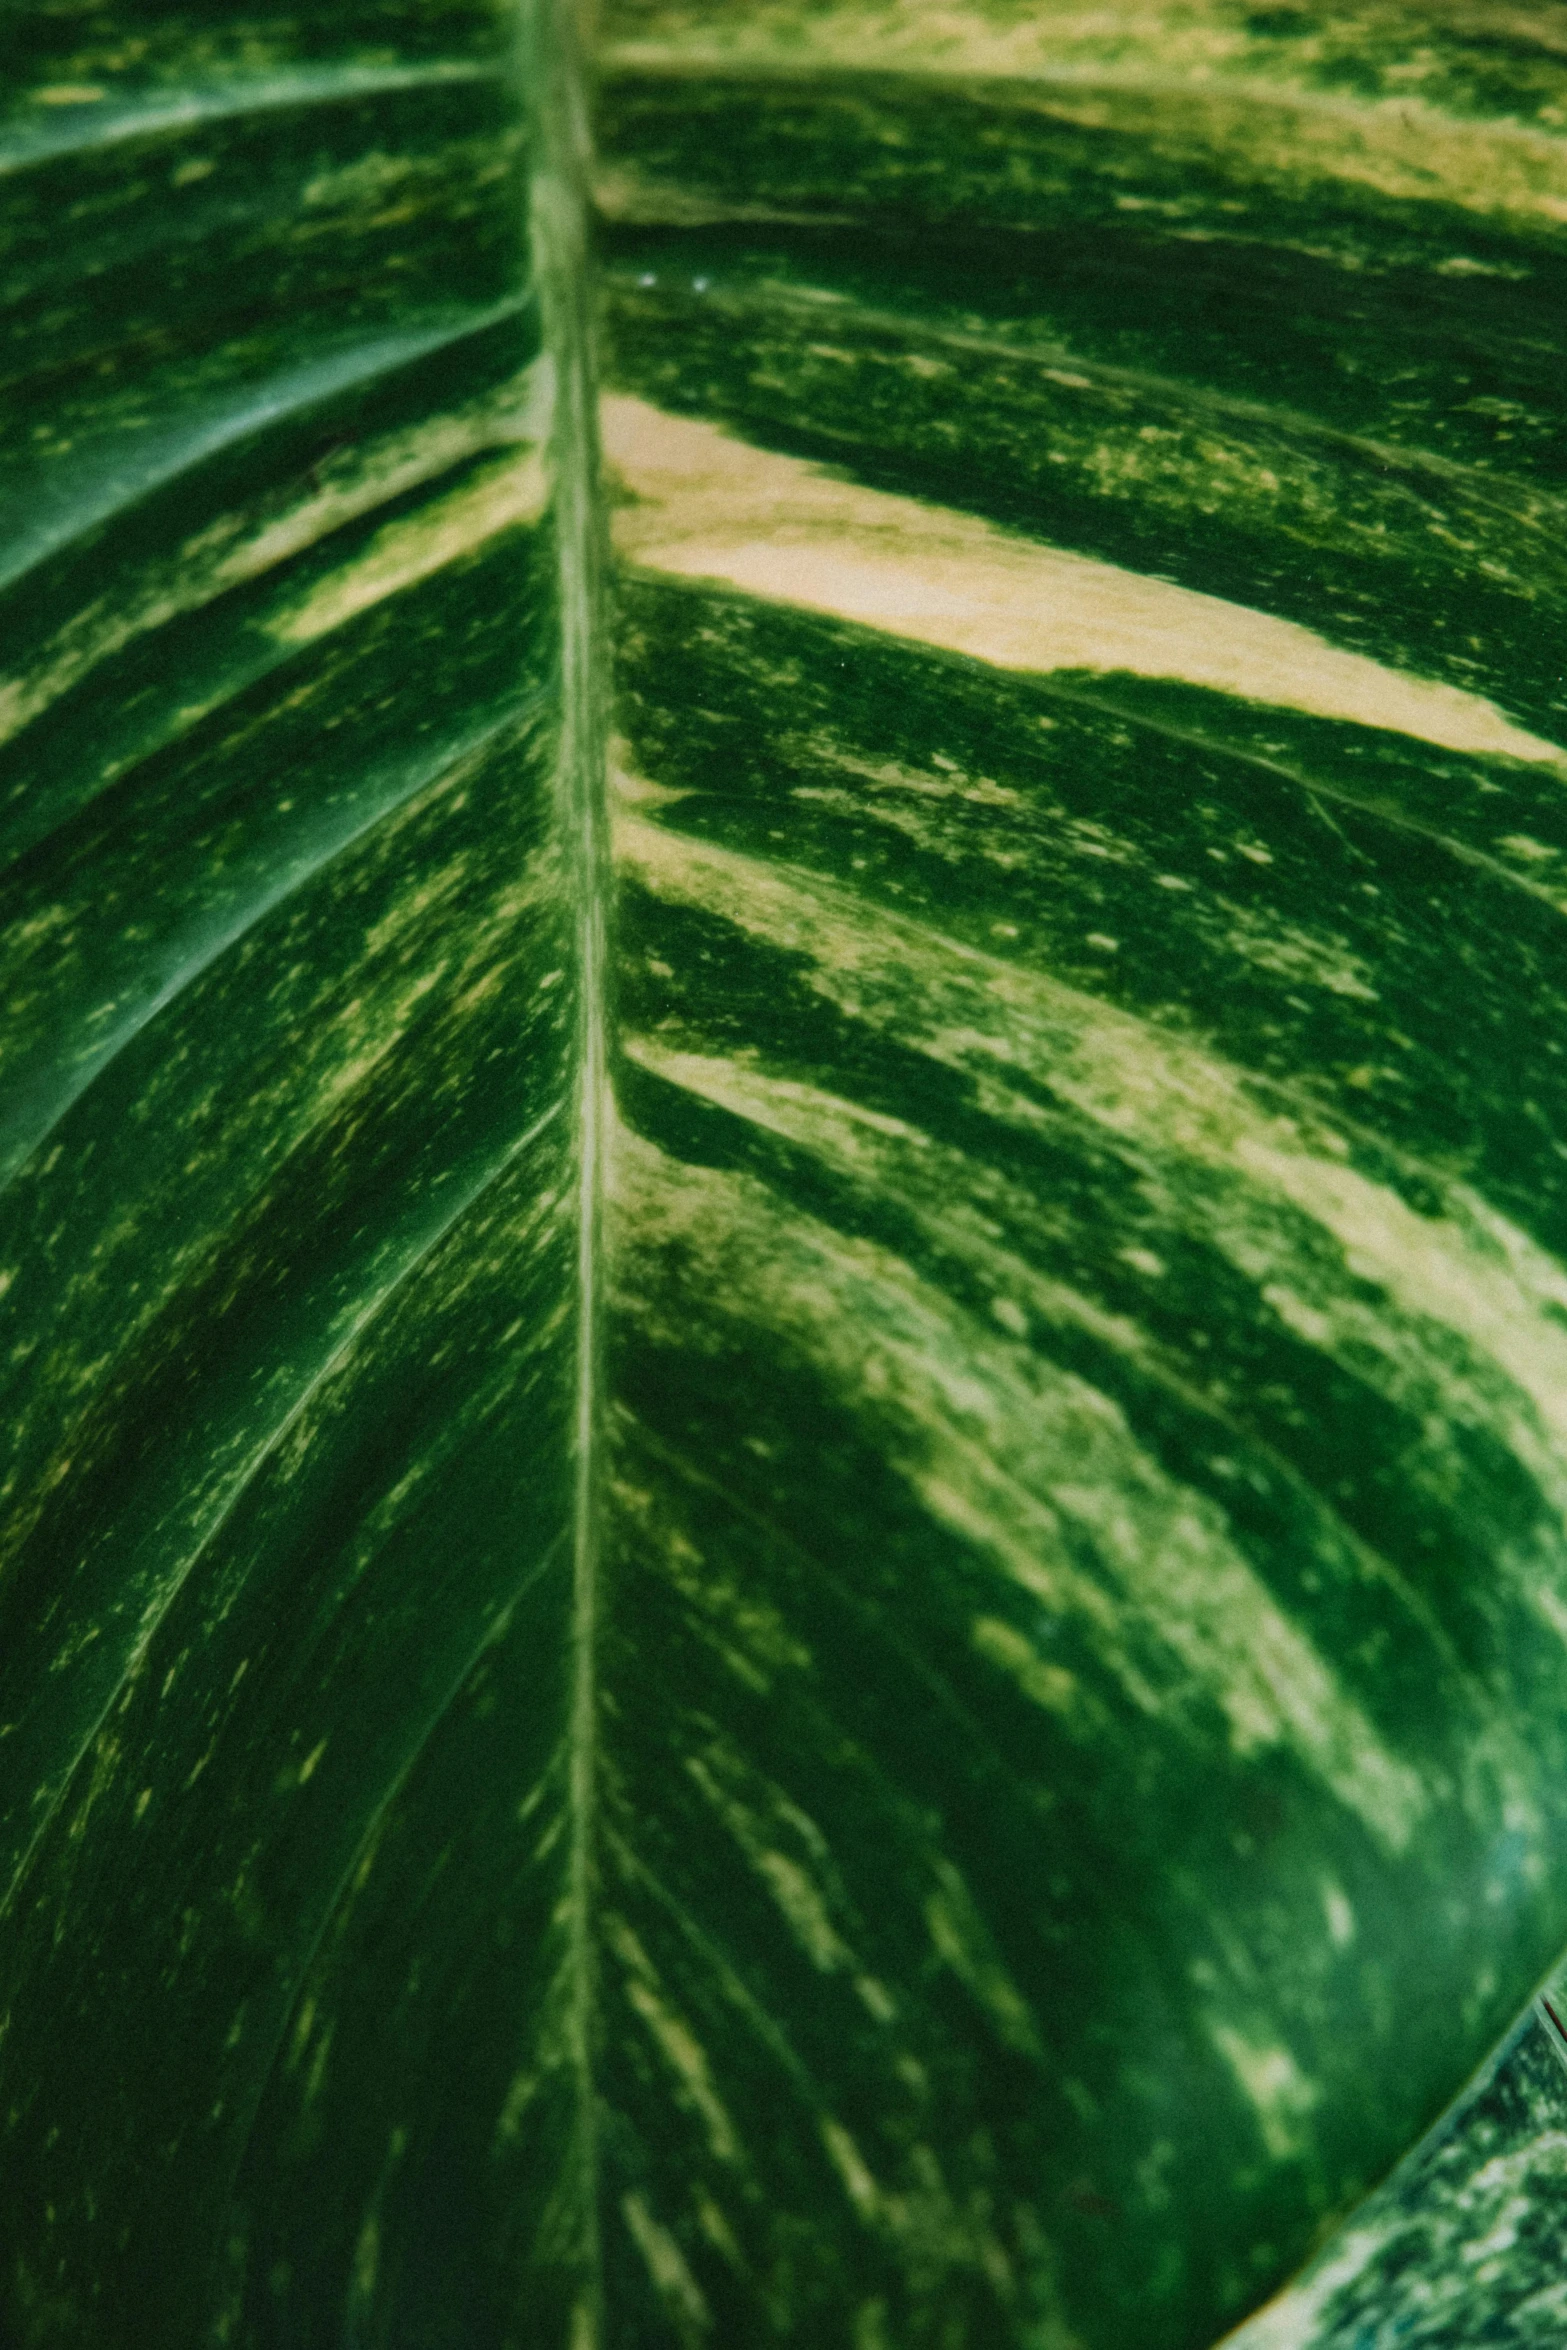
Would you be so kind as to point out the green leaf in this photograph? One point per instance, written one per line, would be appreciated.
(784, 1250)
(1459, 2245)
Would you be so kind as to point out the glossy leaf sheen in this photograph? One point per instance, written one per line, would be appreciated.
(802, 1576)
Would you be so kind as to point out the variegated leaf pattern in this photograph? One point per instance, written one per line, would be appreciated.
(785, 1250)
(1460, 2244)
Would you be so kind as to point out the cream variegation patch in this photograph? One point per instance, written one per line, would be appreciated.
(707, 506)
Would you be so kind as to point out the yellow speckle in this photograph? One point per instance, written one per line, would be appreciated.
(851, 2167)
(961, 1938)
(1143, 1260)
(875, 1998)
(367, 2255)
(1041, 1682)
(666, 2266)
(803, 1907)
(688, 2061)
(1553, 1608)
(717, 2230)
(1279, 2094)
(1340, 1916)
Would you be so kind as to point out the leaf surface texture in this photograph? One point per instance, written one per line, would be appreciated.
(784, 1250)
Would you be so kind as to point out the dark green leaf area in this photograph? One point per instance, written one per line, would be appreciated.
(218, 279)
(1440, 568)
(255, 1173)
(183, 854)
(910, 149)
(414, 2171)
(288, 1252)
(373, 210)
(404, 160)
(1235, 336)
(917, 1887)
(801, 1915)
(390, 1526)
(1322, 903)
(119, 45)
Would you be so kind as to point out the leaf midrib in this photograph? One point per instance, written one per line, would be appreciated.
(557, 86)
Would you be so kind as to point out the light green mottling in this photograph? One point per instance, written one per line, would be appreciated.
(1493, 1295)
(672, 2280)
(677, 2044)
(1275, 2085)
(1025, 1462)
(1193, 76)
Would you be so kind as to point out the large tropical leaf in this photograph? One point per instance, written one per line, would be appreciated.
(786, 1322)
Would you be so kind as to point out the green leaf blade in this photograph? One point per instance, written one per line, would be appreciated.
(958, 998)
(290, 1071)
(811, 1591)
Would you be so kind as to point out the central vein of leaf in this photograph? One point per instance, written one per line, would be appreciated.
(557, 77)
